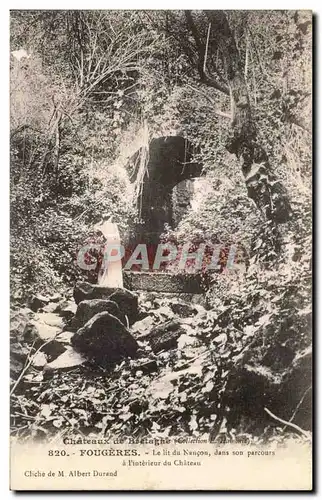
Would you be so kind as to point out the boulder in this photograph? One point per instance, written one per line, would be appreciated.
(249, 388)
(183, 309)
(36, 302)
(104, 340)
(39, 360)
(66, 309)
(18, 356)
(27, 311)
(52, 350)
(143, 326)
(20, 329)
(50, 319)
(55, 298)
(67, 360)
(88, 291)
(50, 308)
(25, 332)
(286, 392)
(126, 300)
(40, 330)
(89, 308)
(43, 326)
(65, 337)
(165, 336)
(16, 367)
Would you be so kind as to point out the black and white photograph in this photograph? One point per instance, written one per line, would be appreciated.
(161, 249)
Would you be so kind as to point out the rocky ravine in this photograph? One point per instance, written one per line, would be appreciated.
(163, 364)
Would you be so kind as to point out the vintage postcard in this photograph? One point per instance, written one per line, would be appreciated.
(161, 250)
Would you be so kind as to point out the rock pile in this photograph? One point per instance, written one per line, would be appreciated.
(102, 325)
(167, 341)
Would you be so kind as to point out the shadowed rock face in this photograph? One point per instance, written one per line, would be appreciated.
(169, 162)
(105, 340)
